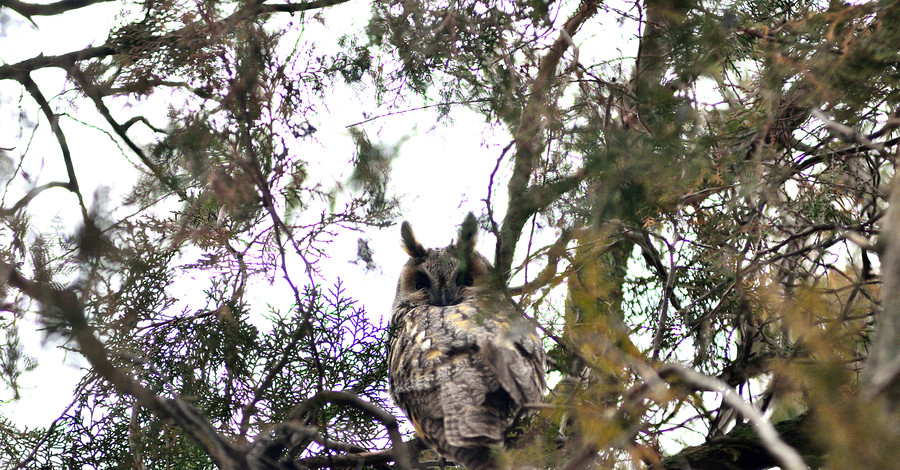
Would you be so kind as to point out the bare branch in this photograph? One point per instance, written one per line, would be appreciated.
(663, 319)
(53, 118)
(786, 455)
(66, 61)
(35, 9)
(554, 253)
(32, 193)
(420, 108)
(845, 132)
(122, 131)
(356, 460)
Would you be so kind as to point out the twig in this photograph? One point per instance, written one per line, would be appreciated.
(495, 229)
(91, 91)
(24, 463)
(420, 108)
(53, 118)
(663, 318)
(554, 254)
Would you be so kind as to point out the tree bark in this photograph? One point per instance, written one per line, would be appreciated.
(883, 364)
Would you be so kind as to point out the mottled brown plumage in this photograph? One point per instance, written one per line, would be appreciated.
(462, 362)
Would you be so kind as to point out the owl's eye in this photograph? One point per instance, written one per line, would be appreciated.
(422, 281)
(465, 279)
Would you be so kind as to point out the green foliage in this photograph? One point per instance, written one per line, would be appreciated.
(216, 359)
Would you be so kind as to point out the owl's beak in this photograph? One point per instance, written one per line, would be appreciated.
(445, 297)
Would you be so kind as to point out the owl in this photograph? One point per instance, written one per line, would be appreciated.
(462, 362)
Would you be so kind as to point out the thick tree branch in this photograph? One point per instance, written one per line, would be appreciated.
(35, 9)
(66, 61)
(529, 138)
(19, 70)
(399, 452)
(358, 460)
(881, 377)
(741, 449)
(786, 456)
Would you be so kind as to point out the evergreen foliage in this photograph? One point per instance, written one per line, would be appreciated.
(718, 190)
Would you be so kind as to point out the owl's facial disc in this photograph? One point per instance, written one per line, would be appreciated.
(442, 292)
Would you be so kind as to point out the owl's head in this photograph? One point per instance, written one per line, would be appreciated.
(442, 276)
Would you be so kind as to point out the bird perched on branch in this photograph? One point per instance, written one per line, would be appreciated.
(463, 363)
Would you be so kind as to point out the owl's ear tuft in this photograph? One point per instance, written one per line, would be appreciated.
(465, 250)
(468, 234)
(412, 247)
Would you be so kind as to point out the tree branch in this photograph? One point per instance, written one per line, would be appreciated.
(400, 452)
(786, 456)
(554, 253)
(68, 60)
(122, 131)
(34, 9)
(358, 460)
(529, 142)
(881, 377)
(53, 118)
(32, 193)
(741, 449)
(63, 61)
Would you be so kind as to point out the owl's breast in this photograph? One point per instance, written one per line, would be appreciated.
(432, 344)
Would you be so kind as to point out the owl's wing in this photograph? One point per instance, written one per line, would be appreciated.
(468, 420)
(515, 355)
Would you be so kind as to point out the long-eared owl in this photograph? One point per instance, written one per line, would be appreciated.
(462, 362)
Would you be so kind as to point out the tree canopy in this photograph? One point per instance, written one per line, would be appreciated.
(693, 203)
